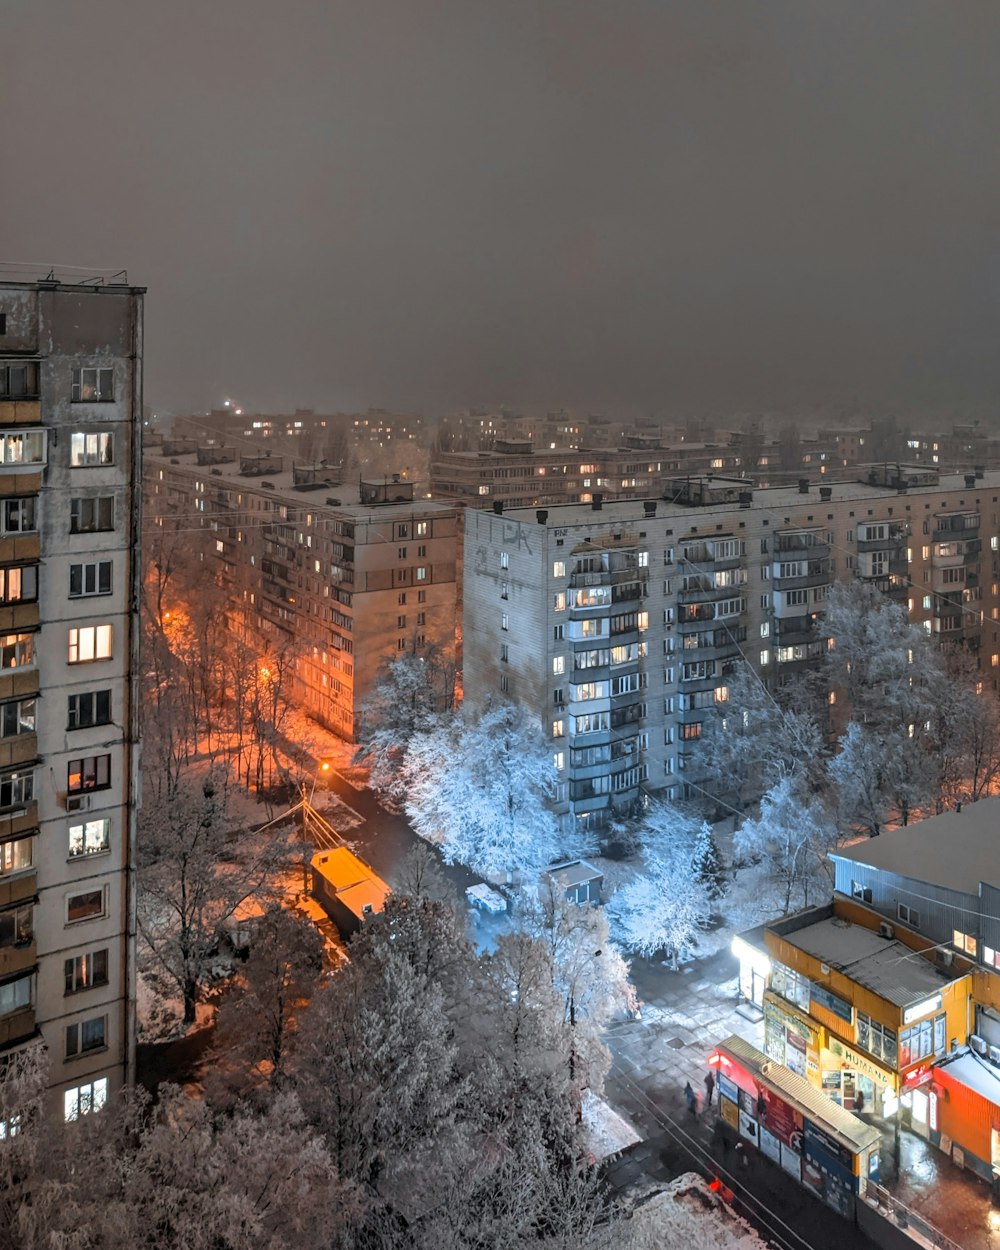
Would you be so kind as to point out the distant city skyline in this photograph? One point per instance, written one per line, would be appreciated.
(670, 209)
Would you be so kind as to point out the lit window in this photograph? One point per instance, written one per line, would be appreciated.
(86, 906)
(765, 657)
(504, 621)
(559, 568)
(89, 642)
(92, 772)
(22, 447)
(964, 941)
(558, 728)
(87, 449)
(558, 665)
(84, 1099)
(93, 837)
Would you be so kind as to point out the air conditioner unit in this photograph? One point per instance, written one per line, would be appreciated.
(947, 958)
(994, 1054)
(77, 802)
(886, 930)
(977, 1044)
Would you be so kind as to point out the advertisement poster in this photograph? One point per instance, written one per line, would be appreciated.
(729, 1112)
(748, 1129)
(770, 1145)
(782, 1120)
(728, 1088)
(748, 1103)
(791, 1162)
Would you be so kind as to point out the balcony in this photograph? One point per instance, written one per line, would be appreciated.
(815, 573)
(796, 629)
(800, 543)
(950, 529)
(17, 1026)
(26, 411)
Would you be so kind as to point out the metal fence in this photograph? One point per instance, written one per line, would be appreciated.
(906, 1219)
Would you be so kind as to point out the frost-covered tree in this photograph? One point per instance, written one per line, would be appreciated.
(752, 739)
(792, 834)
(260, 1013)
(588, 971)
(480, 789)
(193, 873)
(663, 907)
(409, 696)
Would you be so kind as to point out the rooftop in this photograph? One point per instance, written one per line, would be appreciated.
(976, 1073)
(886, 967)
(830, 1116)
(325, 492)
(774, 499)
(956, 850)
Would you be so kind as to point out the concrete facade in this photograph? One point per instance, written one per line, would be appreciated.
(620, 624)
(343, 575)
(70, 421)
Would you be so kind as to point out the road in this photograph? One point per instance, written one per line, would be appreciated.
(782, 1211)
(384, 838)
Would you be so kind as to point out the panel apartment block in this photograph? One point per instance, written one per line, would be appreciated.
(621, 625)
(70, 429)
(343, 576)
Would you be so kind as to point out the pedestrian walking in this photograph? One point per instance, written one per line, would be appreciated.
(691, 1099)
(741, 1154)
(709, 1087)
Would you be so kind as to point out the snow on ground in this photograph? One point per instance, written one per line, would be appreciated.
(604, 1130)
(687, 1212)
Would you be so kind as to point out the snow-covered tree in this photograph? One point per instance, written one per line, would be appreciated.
(193, 874)
(792, 834)
(752, 739)
(408, 697)
(480, 789)
(663, 907)
(260, 1012)
(589, 972)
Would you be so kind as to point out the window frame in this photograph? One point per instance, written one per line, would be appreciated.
(98, 699)
(98, 523)
(76, 1045)
(100, 893)
(91, 449)
(86, 971)
(87, 765)
(103, 633)
(104, 374)
(84, 1099)
(83, 571)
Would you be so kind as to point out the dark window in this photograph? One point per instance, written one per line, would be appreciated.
(85, 971)
(87, 1035)
(90, 579)
(16, 788)
(93, 386)
(91, 708)
(3, 323)
(93, 772)
(92, 515)
(19, 515)
(15, 926)
(83, 906)
(19, 381)
(17, 717)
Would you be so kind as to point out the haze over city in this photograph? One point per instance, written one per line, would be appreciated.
(664, 208)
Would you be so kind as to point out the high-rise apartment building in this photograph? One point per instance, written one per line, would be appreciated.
(621, 625)
(337, 576)
(70, 431)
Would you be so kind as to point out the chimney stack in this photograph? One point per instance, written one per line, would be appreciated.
(498, 507)
(826, 493)
(541, 516)
(597, 503)
(649, 507)
(803, 486)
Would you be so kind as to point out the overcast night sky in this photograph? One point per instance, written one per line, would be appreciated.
(613, 206)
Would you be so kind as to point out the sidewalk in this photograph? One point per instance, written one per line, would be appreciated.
(684, 1015)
